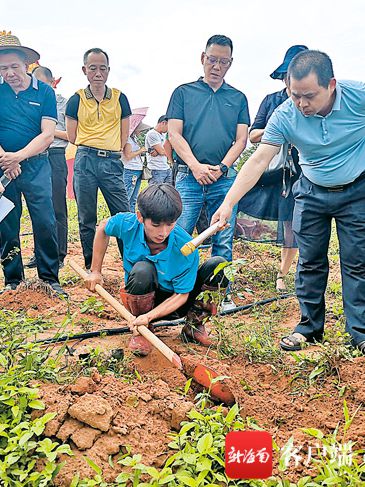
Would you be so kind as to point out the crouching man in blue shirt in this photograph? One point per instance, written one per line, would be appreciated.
(325, 120)
(159, 280)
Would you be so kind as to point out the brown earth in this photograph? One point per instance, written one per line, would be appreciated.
(101, 415)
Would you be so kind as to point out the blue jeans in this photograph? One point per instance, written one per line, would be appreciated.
(194, 195)
(314, 209)
(161, 176)
(36, 185)
(92, 172)
(132, 181)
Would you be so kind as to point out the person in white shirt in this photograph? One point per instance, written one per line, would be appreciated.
(156, 157)
(133, 165)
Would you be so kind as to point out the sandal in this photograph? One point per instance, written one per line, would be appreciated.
(280, 288)
(297, 343)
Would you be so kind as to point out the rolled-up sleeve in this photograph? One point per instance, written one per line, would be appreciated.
(274, 133)
(176, 105)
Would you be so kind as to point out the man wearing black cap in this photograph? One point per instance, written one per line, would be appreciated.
(28, 118)
(156, 155)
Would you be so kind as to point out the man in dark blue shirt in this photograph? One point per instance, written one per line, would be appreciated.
(208, 123)
(28, 117)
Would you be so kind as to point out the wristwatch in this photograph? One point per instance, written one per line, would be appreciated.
(223, 168)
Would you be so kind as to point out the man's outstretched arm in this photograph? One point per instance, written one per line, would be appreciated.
(246, 179)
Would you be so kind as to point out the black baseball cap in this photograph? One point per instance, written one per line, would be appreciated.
(281, 71)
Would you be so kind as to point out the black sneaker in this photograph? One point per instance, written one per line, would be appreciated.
(10, 287)
(32, 263)
(58, 289)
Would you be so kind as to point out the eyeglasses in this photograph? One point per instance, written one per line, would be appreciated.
(224, 61)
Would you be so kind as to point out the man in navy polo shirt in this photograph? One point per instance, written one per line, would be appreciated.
(208, 123)
(325, 120)
(28, 117)
(159, 279)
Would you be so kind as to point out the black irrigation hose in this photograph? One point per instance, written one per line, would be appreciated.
(125, 329)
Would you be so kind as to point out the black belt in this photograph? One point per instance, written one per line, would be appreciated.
(183, 168)
(29, 159)
(100, 152)
(342, 187)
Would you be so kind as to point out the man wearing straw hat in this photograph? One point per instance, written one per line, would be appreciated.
(28, 117)
(97, 121)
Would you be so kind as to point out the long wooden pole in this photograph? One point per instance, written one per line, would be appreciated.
(189, 247)
(143, 330)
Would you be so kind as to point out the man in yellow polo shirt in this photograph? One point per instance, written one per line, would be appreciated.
(97, 121)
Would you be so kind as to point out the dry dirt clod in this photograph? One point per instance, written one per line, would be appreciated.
(92, 410)
(68, 428)
(179, 414)
(85, 437)
(83, 385)
(161, 390)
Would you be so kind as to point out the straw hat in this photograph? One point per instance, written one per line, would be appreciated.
(8, 41)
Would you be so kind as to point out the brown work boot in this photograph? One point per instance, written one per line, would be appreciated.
(196, 334)
(194, 331)
(139, 304)
(139, 346)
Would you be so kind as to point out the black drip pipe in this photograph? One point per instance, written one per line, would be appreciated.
(125, 329)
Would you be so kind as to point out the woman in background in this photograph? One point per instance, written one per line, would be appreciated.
(133, 165)
(266, 200)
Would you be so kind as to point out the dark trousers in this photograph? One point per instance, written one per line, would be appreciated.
(57, 160)
(315, 207)
(36, 186)
(143, 280)
(92, 172)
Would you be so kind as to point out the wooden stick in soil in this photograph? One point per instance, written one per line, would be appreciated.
(143, 330)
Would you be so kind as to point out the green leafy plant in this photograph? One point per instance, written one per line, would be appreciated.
(26, 459)
(334, 460)
(92, 306)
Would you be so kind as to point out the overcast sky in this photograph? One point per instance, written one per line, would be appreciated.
(155, 46)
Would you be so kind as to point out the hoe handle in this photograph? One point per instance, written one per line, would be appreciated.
(192, 245)
(142, 330)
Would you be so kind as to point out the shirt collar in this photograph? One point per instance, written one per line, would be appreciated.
(222, 87)
(89, 95)
(34, 82)
(337, 102)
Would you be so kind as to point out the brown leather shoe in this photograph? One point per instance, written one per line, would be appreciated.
(139, 346)
(196, 334)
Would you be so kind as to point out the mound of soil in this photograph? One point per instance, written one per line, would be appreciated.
(102, 416)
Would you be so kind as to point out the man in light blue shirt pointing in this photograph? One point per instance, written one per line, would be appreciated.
(325, 120)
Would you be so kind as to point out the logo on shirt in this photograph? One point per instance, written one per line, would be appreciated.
(34, 103)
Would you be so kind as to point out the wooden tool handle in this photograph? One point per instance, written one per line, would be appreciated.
(189, 247)
(143, 330)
